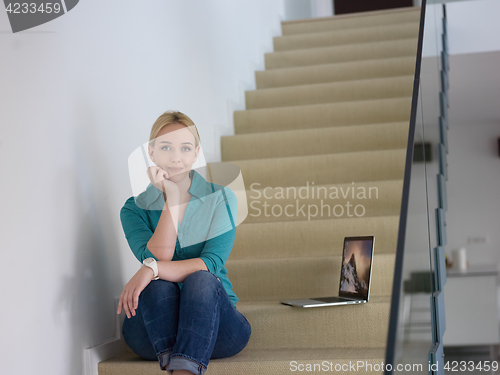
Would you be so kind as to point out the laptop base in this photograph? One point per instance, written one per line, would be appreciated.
(323, 301)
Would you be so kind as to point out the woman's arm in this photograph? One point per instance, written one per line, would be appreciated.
(216, 248)
(162, 242)
(177, 271)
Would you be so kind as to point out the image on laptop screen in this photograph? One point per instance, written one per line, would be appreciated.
(356, 267)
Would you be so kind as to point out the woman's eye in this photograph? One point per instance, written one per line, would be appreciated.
(164, 148)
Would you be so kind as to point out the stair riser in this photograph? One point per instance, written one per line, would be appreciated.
(339, 37)
(376, 88)
(303, 365)
(334, 201)
(311, 238)
(323, 169)
(322, 115)
(351, 52)
(356, 21)
(296, 278)
(344, 71)
(315, 141)
(361, 325)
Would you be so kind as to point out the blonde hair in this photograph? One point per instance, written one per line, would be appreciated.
(174, 117)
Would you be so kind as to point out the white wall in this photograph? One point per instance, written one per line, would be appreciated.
(474, 124)
(78, 95)
(473, 162)
(473, 26)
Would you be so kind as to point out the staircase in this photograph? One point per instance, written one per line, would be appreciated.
(331, 110)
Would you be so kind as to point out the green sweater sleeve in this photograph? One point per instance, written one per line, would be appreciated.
(222, 232)
(136, 230)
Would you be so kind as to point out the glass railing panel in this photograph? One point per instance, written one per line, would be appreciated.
(411, 331)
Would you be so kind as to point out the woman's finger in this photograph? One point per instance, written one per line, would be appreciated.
(159, 176)
(151, 173)
(136, 299)
(119, 310)
(130, 303)
(125, 305)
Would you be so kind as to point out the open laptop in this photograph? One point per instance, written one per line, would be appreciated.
(355, 275)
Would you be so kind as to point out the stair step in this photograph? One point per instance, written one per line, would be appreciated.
(316, 116)
(356, 20)
(263, 361)
(303, 142)
(342, 53)
(315, 238)
(305, 277)
(323, 169)
(346, 36)
(344, 91)
(275, 325)
(347, 200)
(335, 72)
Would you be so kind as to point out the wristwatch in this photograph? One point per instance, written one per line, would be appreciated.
(151, 263)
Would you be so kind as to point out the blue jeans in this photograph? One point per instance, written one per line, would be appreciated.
(185, 328)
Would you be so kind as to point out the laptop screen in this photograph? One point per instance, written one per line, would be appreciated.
(356, 267)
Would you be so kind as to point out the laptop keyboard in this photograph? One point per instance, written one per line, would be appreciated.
(330, 299)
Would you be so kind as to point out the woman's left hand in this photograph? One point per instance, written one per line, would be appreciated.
(129, 298)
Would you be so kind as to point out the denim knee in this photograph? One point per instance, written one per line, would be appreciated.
(156, 291)
(160, 286)
(201, 284)
(201, 277)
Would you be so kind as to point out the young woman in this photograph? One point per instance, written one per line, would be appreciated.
(180, 306)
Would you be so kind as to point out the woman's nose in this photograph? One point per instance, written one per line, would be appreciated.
(176, 155)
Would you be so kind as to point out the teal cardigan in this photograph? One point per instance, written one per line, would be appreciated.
(208, 226)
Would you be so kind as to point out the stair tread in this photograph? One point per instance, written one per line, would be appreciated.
(313, 157)
(278, 90)
(315, 141)
(318, 106)
(280, 133)
(259, 305)
(345, 36)
(351, 21)
(350, 31)
(360, 46)
(327, 115)
(297, 277)
(335, 72)
(267, 355)
(296, 69)
(355, 15)
(329, 92)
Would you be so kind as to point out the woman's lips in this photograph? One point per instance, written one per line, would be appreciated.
(175, 169)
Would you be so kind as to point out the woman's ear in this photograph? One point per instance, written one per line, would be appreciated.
(151, 153)
(197, 150)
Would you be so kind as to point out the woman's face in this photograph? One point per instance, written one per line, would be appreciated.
(174, 150)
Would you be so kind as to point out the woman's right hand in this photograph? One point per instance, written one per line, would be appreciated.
(159, 178)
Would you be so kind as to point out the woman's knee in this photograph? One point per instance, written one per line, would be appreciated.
(161, 286)
(159, 289)
(201, 283)
(200, 277)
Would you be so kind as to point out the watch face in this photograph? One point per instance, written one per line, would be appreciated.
(148, 261)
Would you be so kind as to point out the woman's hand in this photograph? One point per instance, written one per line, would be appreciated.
(160, 179)
(129, 298)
